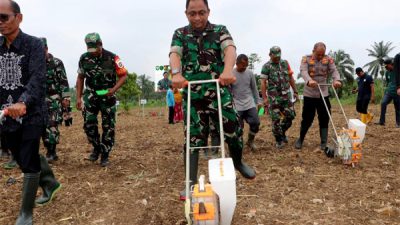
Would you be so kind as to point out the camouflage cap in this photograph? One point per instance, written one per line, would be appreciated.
(44, 41)
(91, 41)
(276, 51)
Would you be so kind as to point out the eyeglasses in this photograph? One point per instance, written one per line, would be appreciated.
(5, 17)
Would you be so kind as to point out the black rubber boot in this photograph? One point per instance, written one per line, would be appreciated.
(250, 142)
(104, 159)
(243, 168)
(94, 156)
(47, 182)
(194, 161)
(29, 189)
(279, 142)
(323, 133)
(299, 142)
(215, 142)
(51, 155)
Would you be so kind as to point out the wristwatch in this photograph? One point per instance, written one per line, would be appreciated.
(175, 71)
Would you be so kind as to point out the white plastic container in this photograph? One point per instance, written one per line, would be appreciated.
(357, 125)
(223, 180)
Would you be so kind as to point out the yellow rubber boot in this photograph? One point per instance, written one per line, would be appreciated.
(370, 117)
(364, 118)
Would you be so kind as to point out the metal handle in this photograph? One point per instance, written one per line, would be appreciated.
(326, 106)
(188, 148)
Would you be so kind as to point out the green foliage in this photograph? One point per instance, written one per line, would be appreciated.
(148, 92)
(128, 91)
(253, 60)
(379, 51)
(345, 66)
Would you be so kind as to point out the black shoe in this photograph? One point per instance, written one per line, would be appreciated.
(104, 159)
(285, 139)
(379, 123)
(298, 144)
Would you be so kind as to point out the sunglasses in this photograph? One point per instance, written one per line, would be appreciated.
(5, 17)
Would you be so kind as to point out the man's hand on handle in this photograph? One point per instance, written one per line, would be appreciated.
(337, 84)
(226, 79)
(178, 81)
(312, 83)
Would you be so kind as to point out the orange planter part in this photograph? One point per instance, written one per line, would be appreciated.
(209, 213)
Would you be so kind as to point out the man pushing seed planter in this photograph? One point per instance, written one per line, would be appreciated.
(205, 51)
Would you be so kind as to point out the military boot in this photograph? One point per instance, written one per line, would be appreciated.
(194, 161)
(47, 182)
(323, 132)
(29, 189)
(51, 155)
(94, 156)
(250, 141)
(104, 159)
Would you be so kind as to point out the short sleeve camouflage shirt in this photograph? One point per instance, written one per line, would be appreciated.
(99, 72)
(277, 76)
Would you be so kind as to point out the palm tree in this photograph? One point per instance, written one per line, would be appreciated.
(345, 66)
(379, 51)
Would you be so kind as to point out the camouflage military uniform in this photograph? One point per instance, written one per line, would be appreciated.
(56, 87)
(202, 59)
(100, 73)
(279, 96)
(66, 111)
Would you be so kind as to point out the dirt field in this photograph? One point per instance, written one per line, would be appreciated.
(142, 183)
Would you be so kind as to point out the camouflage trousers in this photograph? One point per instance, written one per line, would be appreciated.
(204, 110)
(106, 106)
(51, 134)
(282, 114)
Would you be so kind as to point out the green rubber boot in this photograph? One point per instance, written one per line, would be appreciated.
(47, 182)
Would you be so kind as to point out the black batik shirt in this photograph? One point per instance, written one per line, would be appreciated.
(23, 79)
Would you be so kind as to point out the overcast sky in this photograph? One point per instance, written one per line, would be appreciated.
(140, 32)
